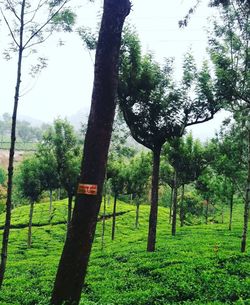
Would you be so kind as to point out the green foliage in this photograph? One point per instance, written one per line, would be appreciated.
(201, 265)
(65, 20)
(27, 179)
(3, 176)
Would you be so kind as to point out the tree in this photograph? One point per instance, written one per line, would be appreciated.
(74, 260)
(117, 176)
(29, 186)
(60, 148)
(26, 32)
(229, 50)
(229, 159)
(156, 111)
(187, 157)
(138, 179)
(48, 170)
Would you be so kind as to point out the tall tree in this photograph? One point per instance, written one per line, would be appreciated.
(156, 111)
(74, 260)
(26, 32)
(230, 54)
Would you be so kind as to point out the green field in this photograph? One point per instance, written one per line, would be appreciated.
(202, 264)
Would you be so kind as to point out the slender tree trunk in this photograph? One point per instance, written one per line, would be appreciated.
(206, 213)
(182, 212)
(50, 202)
(137, 212)
(114, 218)
(174, 219)
(231, 209)
(222, 214)
(70, 200)
(247, 201)
(171, 205)
(30, 224)
(4, 250)
(104, 216)
(75, 256)
(154, 201)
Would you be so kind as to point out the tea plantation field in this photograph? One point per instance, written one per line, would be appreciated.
(202, 264)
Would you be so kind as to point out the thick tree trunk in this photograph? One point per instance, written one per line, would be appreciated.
(171, 205)
(70, 200)
(114, 218)
(75, 256)
(6, 231)
(30, 224)
(154, 201)
(247, 202)
(137, 212)
(182, 212)
(231, 210)
(174, 219)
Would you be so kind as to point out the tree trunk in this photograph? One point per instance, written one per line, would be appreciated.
(50, 202)
(182, 211)
(206, 213)
(171, 205)
(231, 209)
(137, 213)
(75, 256)
(114, 218)
(30, 224)
(4, 250)
(104, 216)
(154, 201)
(247, 200)
(70, 199)
(174, 205)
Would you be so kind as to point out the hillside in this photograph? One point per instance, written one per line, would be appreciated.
(201, 265)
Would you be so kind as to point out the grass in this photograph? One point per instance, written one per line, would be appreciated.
(202, 264)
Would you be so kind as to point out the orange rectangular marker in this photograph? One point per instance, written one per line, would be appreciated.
(87, 189)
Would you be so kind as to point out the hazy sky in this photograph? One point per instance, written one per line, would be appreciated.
(65, 85)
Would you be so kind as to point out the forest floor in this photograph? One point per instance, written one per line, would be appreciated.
(202, 264)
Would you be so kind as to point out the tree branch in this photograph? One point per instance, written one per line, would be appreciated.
(11, 32)
(45, 24)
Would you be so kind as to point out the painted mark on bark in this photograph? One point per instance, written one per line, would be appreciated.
(87, 189)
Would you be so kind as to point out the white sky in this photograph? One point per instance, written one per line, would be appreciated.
(65, 86)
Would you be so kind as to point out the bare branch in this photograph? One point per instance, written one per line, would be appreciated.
(45, 24)
(39, 42)
(10, 30)
(34, 12)
(12, 9)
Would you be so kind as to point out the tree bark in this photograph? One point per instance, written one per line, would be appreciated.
(154, 201)
(30, 224)
(75, 256)
(182, 212)
(231, 210)
(174, 205)
(50, 202)
(4, 250)
(171, 205)
(247, 201)
(114, 218)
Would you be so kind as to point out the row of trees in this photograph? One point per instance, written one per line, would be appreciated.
(215, 172)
